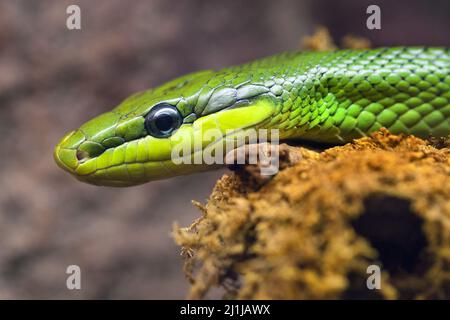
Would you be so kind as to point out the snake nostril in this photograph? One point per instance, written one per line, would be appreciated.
(82, 155)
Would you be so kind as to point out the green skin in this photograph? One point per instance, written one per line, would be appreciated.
(328, 97)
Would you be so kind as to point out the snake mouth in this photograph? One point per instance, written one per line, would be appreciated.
(114, 171)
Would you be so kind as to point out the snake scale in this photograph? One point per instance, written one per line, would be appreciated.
(325, 97)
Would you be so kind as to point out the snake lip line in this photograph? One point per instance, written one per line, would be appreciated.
(192, 154)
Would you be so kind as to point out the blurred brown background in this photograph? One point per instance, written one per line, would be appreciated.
(53, 79)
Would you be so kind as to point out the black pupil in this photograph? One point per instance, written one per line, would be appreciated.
(164, 122)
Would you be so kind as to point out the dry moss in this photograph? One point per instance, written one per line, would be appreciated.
(355, 42)
(321, 40)
(311, 231)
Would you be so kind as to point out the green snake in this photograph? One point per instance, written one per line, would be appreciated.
(325, 97)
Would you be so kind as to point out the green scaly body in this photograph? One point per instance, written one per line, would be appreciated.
(330, 97)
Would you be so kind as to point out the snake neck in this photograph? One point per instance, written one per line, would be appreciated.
(338, 96)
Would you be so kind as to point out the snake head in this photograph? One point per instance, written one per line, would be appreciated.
(160, 133)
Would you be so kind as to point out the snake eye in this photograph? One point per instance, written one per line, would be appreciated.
(162, 120)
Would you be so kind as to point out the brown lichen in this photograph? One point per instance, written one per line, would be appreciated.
(355, 42)
(312, 230)
(321, 40)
